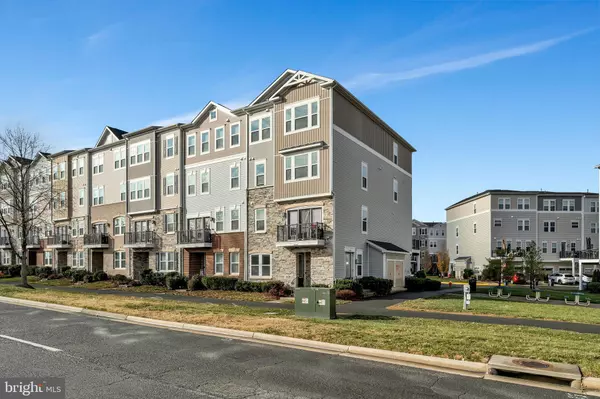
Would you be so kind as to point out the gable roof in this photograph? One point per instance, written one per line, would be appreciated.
(300, 77)
(207, 107)
(147, 129)
(117, 133)
(266, 93)
(384, 246)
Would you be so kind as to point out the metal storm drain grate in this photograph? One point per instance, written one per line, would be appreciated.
(534, 364)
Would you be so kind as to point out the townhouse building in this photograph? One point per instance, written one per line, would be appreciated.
(428, 238)
(563, 224)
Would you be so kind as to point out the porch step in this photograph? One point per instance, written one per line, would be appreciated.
(368, 294)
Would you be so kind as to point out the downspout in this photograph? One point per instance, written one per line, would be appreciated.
(54, 259)
(126, 216)
(182, 193)
(333, 216)
(246, 256)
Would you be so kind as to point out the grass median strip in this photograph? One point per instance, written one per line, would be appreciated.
(503, 308)
(441, 338)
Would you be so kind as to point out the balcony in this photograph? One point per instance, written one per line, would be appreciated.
(585, 254)
(60, 241)
(96, 240)
(201, 238)
(140, 239)
(515, 253)
(4, 242)
(33, 241)
(301, 235)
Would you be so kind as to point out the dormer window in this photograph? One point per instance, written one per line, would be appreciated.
(212, 116)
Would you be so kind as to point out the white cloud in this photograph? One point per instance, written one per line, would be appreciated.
(236, 103)
(182, 118)
(100, 36)
(373, 80)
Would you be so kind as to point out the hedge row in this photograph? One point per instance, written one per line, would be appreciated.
(380, 286)
(594, 288)
(422, 284)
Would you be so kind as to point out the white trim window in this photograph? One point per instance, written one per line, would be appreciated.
(260, 266)
(170, 184)
(549, 205)
(574, 224)
(364, 176)
(73, 167)
(549, 226)
(97, 163)
(234, 177)
(523, 203)
(63, 200)
(219, 263)
(234, 218)
(519, 244)
(119, 260)
(474, 228)
(139, 153)
(167, 261)
(503, 203)
(395, 154)
(219, 220)
(497, 222)
(395, 190)
(48, 258)
(594, 206)
(62, 169)
(123, 191)
(260, 129)
(568, 205)
(544, 247)
(191, 145)
(204, 142)
(220, 138)
(139, 189)
(98, 195)
(554, 247)
(523, 225)
(234, 263)
(119, 225)
(302, 166)
(358, 263)
(234, 135)
(169, 146)
(457, 231)
(191, 184)
(302, 116)
(593, 228)
(205, 181)
(364, 219)
(260, 220)
(81, 196)
(212, 115)
(120, 157)
(170, 223)
(259, 173)
(80, 165)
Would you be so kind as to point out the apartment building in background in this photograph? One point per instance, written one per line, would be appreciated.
(428, 238)
(563, 224)
(304, 185)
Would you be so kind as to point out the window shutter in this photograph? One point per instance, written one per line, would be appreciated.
(157, 266)
(176, 180)
(176, 259)
(164, 147)
(176, 144)
(164, 186)
(165, 223)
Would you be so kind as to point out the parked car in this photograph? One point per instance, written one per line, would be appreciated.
(586, 278)
(562, 278)
(519, 278)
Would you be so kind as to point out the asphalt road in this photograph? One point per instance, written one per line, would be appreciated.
(106, 359)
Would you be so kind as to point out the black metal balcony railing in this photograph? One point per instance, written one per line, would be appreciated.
(515, 253)
(96, 239)
(60, 239)
(300, 232)
(585, 254)
(140, 237)
(33, 240)
(199, 236)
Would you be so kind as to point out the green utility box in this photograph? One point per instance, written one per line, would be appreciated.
(315, 302)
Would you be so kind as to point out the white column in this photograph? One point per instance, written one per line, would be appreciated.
(580, 276)
(573, 266)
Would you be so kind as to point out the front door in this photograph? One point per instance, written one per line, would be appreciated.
(301, 270)
(348, 258)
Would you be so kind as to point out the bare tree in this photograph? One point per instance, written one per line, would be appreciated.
(444, 262)
(24, 201)
(426, 260)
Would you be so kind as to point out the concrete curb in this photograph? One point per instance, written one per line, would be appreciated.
(590, 383)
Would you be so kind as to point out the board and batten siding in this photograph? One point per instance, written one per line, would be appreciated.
(261, 151)
(301, 188)
(387, 220)
(365, 129)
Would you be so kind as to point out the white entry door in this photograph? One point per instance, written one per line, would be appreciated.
(395, 272)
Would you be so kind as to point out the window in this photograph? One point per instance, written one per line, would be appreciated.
(593, 227)
(219, 220)
(519, 244)
(48, 258)
(364, 218)
(443, 233)
(260, 218)
(414, 231)
(474, 228)
(80, 162)
(523, 225)
(123, 191)
(503, 203)
(167, 261)
(260, 265)
(260, 173)
(219, 262)
(302, 116)
(120, 157)
(474, 207)
(549, 226)
(395, 156)
(119, 259)
(497, 222)
(119, 225)
(191, 145)
(98, 195)
(234, 132)
(574, 224)
(364, 176)
(234, 176)
(219, 138)
(358, 263)
(523, 203)
(594, 206)
(568, 205)
(139, 189)
(62, 169)
(554, 247)
(457, 231)
(260, 129)
(423, 231)
(235, 219)
(169, 181)
(544, 247)
(139, 153)
(297, 167)
(77, 259)
(212, 116)
(74, 228)
(97, 164)
(205, 181)
(170, 223)
(549, 205)
(74, 168)
(54, 176)
(234, 263)
(573, 246)
(81, 196)
(191, 183)
(395, 190)
(457, 249)
(205, 142)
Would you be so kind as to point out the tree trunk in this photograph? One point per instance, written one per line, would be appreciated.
(24, 269)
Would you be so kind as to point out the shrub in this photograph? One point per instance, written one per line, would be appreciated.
(279, 289)
(596, 276)
(33, 271)
(432, 285)
(14, 271)
(42, 276)
(120, 279)
(257, 286)
(44, 270)
(100, 275)
(79, 275)
(150, 277)
(88, 278)
(348, 284)
(467, 273)
(594, 287)
(68, 273)
(134, 283)
(220, 283)
(54, 276)
(4, 269)
(414, 284)
(420, 274)
(1, 274)
(346, 295)
(175, 281)
(63, 269)
(380, 286)
(195, 283)
(319, 285)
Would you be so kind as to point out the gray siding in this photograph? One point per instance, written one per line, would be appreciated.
(261, 151)
(374, 263)
(170, 165)
(388, 221)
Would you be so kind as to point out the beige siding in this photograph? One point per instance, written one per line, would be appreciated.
(61, 185)
(79, 182)
(143, 169)
(361, 126)
(110, 178)
(305, 187)
(170, 165)
(483, 204)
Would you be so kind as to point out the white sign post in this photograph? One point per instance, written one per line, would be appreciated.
(466, 296)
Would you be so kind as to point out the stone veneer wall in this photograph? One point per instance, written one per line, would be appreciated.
(320, 268)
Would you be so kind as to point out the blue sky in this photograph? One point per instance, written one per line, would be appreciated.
(492, 94)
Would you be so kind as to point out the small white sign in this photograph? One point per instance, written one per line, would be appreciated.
(468, 302)
(468, 297)
(305, 301)
(466, 289)
(321, 302)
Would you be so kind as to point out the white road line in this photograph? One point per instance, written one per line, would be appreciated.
(48, 348)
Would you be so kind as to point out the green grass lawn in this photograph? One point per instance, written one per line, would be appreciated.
(503, 308)
(442, 338)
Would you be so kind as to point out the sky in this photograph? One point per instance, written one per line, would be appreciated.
(492, 94)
